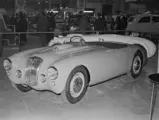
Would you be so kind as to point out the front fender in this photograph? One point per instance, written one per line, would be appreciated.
(63, 70)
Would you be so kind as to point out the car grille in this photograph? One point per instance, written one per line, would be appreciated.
(32, 71)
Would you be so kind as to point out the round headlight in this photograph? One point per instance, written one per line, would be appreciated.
(52, 73)
(7, 64)
(18, 73)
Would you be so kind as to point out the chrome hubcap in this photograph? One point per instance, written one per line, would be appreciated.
(77, 84)
(137, 65)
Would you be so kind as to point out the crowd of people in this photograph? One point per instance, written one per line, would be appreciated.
(102, 23)
(46, 24)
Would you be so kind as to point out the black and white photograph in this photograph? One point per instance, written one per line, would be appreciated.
(79, 59)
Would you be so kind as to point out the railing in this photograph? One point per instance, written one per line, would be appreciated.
(13, 38)
(148, 35)
(9, 38)
(13, 42)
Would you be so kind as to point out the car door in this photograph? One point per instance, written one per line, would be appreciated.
(155, 24)
(144, 24)
(120, 60)
(109, 63)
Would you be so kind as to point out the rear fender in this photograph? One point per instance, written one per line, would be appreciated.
(134, 49)
(144, 53)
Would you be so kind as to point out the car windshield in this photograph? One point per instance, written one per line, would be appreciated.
(111, 45)
(131, 19)
(155, 19)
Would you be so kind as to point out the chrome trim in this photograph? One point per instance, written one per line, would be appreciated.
(6, 67)
(31, 74)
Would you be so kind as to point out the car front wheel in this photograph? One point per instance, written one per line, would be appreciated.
(22, 88)
(76, 85)
(136, 64)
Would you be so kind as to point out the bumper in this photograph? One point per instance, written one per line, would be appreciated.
(12, 75)
(55, 86)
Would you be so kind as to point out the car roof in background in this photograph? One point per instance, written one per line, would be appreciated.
(146, 14)
(138, 16)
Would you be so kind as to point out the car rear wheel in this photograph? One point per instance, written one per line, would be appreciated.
(137, 64)
(76, 85)
(21, 88)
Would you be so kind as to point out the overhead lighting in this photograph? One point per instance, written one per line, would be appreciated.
(87, 11)
(130, 0)
(55, 11)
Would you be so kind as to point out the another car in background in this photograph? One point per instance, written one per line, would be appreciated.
(146, 24)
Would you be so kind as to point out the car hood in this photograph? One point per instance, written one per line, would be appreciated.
(54, 53)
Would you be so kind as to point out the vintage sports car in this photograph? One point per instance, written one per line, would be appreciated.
(72, 63)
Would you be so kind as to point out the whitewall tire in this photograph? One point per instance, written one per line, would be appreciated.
(137, 64)
(76, 85)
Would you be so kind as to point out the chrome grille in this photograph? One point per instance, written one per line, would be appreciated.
(32, 70)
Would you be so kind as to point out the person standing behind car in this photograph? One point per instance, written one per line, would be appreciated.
(99, 25)
(67, 22)
(52, 25)
(22, 26)
(43, 26)
(121, 23)
(84, 24)
(16, 20)
(12, 20)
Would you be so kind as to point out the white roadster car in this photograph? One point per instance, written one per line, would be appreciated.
(70, 64)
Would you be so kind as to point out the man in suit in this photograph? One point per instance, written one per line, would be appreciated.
(43, 26)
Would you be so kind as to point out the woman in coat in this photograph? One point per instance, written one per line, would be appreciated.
(43, 26)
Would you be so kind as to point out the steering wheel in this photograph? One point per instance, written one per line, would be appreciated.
(82, 41)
